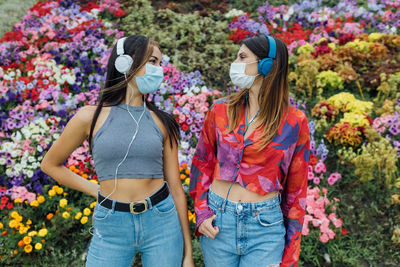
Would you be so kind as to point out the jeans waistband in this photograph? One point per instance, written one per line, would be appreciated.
(244, 207)
(147, 198)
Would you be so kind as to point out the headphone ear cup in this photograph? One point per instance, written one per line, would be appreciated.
(123, 63)
(265, 66)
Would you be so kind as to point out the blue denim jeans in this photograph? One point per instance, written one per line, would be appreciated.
(118, 236)
(250, 234)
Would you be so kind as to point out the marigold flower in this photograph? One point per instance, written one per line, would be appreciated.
(38, 246)
(27, 239)
(14, 214)
(59, 190)
(41, 199)
(93, 204)
(28, 248)
(86, 212)
(78, 215)
(66, 215)
(18, 200)
(51, 193)
(1, 225)
(23, 230)
(84, 220)
(34, 203)
(4, 233)
(187, 181)
(42, 232)
(32, 233)
(28, 222)
(15, 251)
(183, 176)
(63, 202)
(12, 223)
(21, 243)
(49, 216)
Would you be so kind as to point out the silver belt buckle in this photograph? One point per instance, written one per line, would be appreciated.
(144, 202)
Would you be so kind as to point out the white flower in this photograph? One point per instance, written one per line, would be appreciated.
(184, 145)
(29, 173)
(3, 161)
(39, 148)
(9, 172)
(17, 167)
(31, 159)
(14, 153)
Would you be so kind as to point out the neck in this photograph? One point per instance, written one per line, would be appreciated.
(253, 95)
(133, 96)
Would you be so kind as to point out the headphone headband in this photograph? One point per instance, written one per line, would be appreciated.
(120, 46)
(272, 47)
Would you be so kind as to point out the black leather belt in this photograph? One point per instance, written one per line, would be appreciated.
(136, 207)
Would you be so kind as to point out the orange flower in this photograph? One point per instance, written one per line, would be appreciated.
(68, 209)
(49, 216)
(85, 176)
(182, 176)
(21, 243)
(72, 167)
(28, 248)
(184, 165)
(4, 233)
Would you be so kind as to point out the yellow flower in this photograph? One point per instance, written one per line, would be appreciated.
(18, 200)
(86, 212)
(23, 230)
(94, 181)
(15, 252)
(78, 215)
(305, 49)
(32, 233)
(92, 204)
(29, 221)
(12, 223)
(52, 193)
(63, 203)
(59, 190)
(18, 218)
(66, 215)
(1, 225)
(34, 203)
(187, 181)
(41, 199)
(84, 220)
(14, 214)
(373, 37)
(28, 248)
(38, 246)
(42, 232)
(27, 239)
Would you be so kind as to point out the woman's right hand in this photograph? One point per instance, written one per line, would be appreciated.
(206, 228)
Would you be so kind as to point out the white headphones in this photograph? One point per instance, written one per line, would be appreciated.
(123, 62)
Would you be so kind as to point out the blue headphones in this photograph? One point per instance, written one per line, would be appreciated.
(265, 64)
(123, 62)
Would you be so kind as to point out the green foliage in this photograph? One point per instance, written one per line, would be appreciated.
(191, 41)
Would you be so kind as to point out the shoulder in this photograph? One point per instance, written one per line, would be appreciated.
(297, 115)
(85, 114)
(219, 104)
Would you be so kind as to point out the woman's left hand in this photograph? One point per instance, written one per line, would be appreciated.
(188, 261)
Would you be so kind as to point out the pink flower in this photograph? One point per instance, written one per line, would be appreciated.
(316, 180)
(324, 238)
(320, 167)
(310, 175)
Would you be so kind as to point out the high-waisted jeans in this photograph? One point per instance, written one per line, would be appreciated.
(250, 234)
(118, 236)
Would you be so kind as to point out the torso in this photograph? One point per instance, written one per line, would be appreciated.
(127, 189)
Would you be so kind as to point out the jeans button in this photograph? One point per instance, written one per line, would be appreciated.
(240, 207)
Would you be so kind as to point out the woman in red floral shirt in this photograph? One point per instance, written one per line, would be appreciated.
(249, 171)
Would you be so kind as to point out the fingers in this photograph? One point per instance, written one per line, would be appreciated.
(207, 229)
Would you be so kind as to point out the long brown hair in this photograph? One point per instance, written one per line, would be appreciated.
(140, 48)
(273, 96)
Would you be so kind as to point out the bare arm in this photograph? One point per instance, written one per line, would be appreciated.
(75, 132)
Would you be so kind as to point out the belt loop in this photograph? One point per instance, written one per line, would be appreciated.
(223, 206)
(149, 204)
(279, 197)
(113, 205)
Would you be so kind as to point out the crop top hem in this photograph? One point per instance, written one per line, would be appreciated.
(132, 176)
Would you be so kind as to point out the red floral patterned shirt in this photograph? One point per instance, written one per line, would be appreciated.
(282, 165)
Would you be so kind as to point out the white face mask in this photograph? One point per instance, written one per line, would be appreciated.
(239, 77)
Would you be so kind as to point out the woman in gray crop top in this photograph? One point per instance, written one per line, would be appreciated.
(141, 205)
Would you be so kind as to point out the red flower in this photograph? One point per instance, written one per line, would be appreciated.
(185, 127)
(344, 231)
(313, 160)
(10, 205)
(119, 13)
(90, 6)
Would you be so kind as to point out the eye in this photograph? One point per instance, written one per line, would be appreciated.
(152, 61)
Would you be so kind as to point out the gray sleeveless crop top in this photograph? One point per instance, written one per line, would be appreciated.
(109, 145)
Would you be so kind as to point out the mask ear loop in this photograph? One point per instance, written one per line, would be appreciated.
(129, 146)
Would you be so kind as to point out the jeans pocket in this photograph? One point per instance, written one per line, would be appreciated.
(165, 207)
(270, 217)
(101, 213)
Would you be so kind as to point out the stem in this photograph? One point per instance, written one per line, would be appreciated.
(359, 88)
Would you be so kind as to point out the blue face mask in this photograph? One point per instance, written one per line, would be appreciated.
(152, 79)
